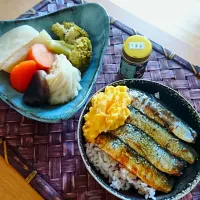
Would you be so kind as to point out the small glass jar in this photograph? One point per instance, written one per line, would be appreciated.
(135, 54)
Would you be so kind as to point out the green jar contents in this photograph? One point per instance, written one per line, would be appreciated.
(135, 55)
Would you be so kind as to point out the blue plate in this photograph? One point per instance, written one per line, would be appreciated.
(94, 19)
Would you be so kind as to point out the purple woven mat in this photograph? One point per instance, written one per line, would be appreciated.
(52, 148)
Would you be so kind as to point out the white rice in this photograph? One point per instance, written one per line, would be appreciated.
(157, 95)
(119, 177)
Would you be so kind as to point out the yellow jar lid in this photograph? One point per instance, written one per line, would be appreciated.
(137, 46)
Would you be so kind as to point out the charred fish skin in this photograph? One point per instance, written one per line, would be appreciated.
(146, 147)
(133, 162)
(155, 111)
(165, 139)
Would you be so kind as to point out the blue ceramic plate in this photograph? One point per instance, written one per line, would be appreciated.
(181, 107)
(94, 19)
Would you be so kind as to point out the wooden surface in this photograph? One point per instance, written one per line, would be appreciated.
(176, 20)
(13, 186)
(177, 17)
(174, 23)
(11, 9)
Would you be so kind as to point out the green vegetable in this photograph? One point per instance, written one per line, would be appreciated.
(74, 44)
(59, 47)
(78, 54)
(68, 31)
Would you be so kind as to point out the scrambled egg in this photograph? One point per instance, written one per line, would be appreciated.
(108, 112)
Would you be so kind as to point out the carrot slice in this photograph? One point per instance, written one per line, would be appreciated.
(21, 75)
(42, 56)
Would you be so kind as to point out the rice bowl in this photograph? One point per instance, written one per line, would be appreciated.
(117, 185)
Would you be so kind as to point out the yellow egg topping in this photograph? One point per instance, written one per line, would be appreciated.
(107, 112)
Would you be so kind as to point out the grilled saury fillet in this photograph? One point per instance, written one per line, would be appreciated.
(154, 110)
(133, 162)
(149, 149)
(165, 139)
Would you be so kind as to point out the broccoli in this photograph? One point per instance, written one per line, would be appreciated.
(68, 31)
(79, 54)
(59, 30)
(75, 45)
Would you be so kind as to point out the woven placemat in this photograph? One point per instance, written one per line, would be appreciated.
(52, 148)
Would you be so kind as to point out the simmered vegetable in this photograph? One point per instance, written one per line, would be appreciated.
(37, 93)
(42, 56)
(14, 39)
(63, 81)
(21, 75)
(36, 70)
(21, 54)
(79, 54)
(69, 32)
(75, 44)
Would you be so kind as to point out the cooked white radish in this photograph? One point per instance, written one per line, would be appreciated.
(13, 40)
(21, 54)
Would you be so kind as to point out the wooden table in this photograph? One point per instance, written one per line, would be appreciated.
(174, 24)
(13, 186)
(11, 9)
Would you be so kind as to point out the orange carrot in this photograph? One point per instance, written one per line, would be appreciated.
(21, 75)
(42, 56)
